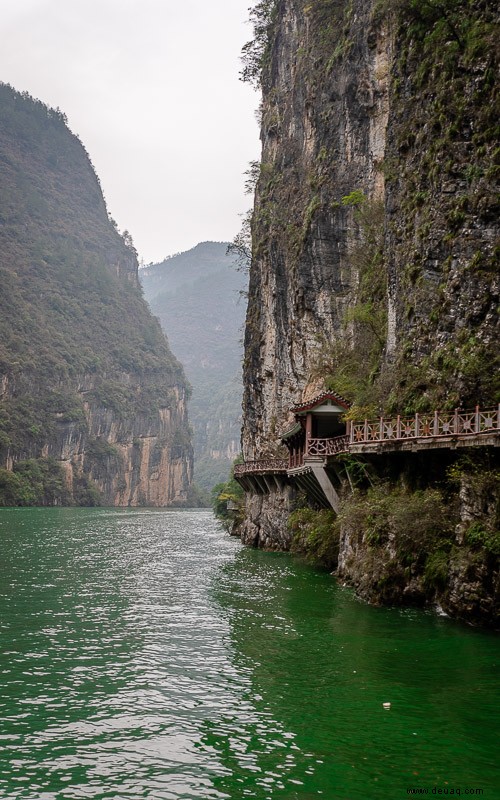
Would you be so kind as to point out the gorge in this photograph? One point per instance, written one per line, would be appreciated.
(198, 297)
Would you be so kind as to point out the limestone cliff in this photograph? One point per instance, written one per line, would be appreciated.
(375, 226)
(92, 401)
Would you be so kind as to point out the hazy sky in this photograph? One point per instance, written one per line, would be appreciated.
(151, 87)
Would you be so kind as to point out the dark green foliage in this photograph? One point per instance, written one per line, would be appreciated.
(34, 482)
(256, 52)
(418, 526)
(315, 536)
(418, 522)
(14, 491)
(407, 547)
(85, 492)
(479, 535)
(436, 571)
(101, 450)
(226, 492)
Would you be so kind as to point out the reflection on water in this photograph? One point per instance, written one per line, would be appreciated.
(145, 654)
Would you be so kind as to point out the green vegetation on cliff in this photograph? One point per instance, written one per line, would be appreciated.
(442, 172)
(315, 536)
(403, 540)
(228, 501)
(75, 332)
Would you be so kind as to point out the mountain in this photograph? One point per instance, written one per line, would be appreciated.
(374, 276)
(92, 401)
(197, 296)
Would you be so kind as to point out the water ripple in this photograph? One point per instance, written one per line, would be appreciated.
(145, 654)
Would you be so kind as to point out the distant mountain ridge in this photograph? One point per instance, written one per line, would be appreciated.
(198, 297)
(184, 268)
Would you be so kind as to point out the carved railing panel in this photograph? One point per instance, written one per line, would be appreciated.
(328, 447)
(266, 465)
(422, 426)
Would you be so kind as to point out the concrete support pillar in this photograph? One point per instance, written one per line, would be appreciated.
(324, 481)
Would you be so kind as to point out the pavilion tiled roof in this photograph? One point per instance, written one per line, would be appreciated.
(319, 400)
(296, 428)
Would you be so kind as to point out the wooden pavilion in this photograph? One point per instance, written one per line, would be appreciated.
(317, 422)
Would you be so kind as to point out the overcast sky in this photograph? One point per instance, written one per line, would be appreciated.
(151, 87)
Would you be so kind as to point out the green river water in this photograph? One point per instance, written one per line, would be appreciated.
(146, 654)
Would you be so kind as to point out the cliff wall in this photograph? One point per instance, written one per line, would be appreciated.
(375, 233)
(325, 81)
(92, 401)
(323, 126)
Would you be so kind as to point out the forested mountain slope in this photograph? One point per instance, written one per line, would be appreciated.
(92, 401)
(197, 296)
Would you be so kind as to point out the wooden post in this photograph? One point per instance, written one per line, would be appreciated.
(477, 420)
(436, 423)
(398, 427)
(417, 426)
(455, 421)
(381, 429)
(365, 432)
(308, 431)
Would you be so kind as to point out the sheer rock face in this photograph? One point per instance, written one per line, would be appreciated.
(320, 141)
(266, 520)
(132, 459)
(136, 462)
(357, 105)
(323, 136)
(88, 384)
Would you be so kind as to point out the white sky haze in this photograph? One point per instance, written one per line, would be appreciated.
(152, 89)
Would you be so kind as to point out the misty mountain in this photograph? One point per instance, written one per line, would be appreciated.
(198, 297)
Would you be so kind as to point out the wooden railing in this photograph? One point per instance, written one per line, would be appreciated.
(266, 465)
(422, 426)
(328, 447)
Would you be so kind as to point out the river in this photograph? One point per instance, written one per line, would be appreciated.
(146, 654)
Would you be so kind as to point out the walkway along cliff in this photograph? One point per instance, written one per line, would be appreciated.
(371, 381)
